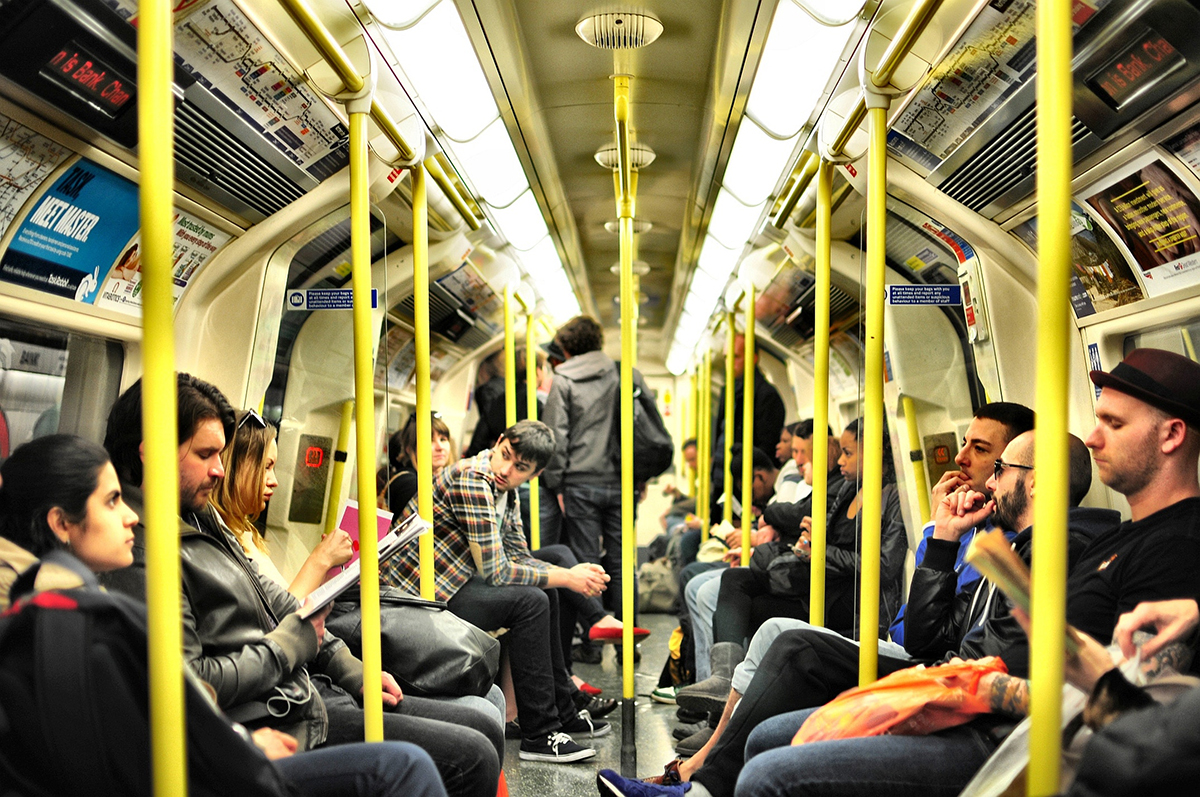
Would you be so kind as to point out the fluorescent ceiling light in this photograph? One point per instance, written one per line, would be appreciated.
(542, 261)
(717, 260)
(782, 96)
(677, 360)
(755, 163)
(732, 222)
(398, 13)
(491, 163)
(438, 59)
(521, 222)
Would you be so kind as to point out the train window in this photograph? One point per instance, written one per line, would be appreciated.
(1183, 339)
(53, 381)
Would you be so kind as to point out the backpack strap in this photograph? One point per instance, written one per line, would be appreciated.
(63, 697)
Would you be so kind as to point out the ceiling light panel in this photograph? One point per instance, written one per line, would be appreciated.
(492, 165)
(755, 163)
(796, 63)
(716, 260)
(441, 65)
(521, 222)
(732, 222)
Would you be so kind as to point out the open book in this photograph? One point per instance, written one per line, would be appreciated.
(992, 554)
(391, 543)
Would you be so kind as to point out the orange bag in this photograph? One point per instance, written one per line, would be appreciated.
(912, 702)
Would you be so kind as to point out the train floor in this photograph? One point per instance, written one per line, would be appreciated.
(654, 744)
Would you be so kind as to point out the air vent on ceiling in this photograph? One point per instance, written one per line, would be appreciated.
(442, 305)
(1007, 161)
(222, 167)
(619, 31)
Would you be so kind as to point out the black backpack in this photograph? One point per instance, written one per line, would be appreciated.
(653, 449)
(74, 705)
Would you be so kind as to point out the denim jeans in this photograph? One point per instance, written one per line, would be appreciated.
(550, 515)
(462, 742)
(592, 525)
(700, 595)
(905, 766)
(387, 769)
(745, 603)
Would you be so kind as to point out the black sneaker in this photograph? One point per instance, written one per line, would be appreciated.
(512, 730)
(555, 748)
(583, 724)
(586, 653)
(596, 706)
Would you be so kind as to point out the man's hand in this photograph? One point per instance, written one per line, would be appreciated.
(733, 536)
(587, 579)
(959, 512)
(391, 691)
(318, 622)
(765, 533)
(734, 556)
(274, 744)
(951, 480)
(1084, 668)
(1172, 620)
(803, 547)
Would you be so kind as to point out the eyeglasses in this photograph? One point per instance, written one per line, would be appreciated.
(1001, 465)
(251, 415)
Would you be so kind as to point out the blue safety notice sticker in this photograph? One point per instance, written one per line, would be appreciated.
(325, 299)
(924, 294)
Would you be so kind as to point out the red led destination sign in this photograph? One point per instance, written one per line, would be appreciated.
(89, 79)
(1136, 68)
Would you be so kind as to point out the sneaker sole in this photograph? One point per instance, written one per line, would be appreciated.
(670, 701)
(604, 787)
(568, 758)
(698, 703)
(595, 734)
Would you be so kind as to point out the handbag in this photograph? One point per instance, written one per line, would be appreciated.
(658, 586)
(653, 449)
(427, 648)
(781, 570)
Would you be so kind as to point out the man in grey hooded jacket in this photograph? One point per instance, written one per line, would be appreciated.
(585, 471)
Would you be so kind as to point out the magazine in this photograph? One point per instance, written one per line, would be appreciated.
(389, 545)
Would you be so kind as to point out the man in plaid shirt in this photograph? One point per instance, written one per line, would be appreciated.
(485, 572)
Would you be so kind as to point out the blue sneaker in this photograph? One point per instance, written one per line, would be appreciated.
(611, 784)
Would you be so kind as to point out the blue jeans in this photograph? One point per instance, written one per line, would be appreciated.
(920, 766)
(592, 527)
(700, 595)
(386, 769)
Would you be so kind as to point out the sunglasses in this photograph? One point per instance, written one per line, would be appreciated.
(253, 417)
(412, 419)
(1001, 465)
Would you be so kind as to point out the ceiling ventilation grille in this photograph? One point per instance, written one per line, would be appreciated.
(226, 163)
(619, 31)
(1006, 161)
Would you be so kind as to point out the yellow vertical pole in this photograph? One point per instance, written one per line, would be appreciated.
(364, 410)
(156, 136)
(704, 453)
(727, 509)
(531, 387)
(916, 455)
(820, 447)
(692, 430)
(510, 358)
(1054, 87)
(871, 444)
(339, 467)
(748, 428)
(420, 202)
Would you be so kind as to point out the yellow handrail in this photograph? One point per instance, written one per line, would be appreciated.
(693, 425)
(807, 167)
(919, 17)
(424, 410)
(451, 191)
(748, 428)
(871, 442)
(364, 410)
(730, 343)
(1054, 93)
(820, 439)
(510, 358)
(916, 455)
(156, 136)
(339, 467)
(704, 453)
(531, 393)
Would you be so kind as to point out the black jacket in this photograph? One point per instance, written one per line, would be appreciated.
(975, 622)
(489, 401)
(769, 417)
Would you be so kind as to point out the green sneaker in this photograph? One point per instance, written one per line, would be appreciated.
(664, 694)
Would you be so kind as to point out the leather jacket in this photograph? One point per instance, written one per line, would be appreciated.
(241, 633)
(941, 622)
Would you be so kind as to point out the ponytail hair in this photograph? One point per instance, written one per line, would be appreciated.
(59, 470)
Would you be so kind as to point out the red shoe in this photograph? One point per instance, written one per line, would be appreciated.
(590, 690)
(598, 634)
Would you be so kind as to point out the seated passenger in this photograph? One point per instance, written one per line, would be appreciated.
(242, 633)
(1146, 446)
(396, 484)
(61, 493)
(487, 575)
(239, 498)
(790, 485)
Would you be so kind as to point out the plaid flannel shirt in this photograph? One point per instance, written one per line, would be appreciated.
(466, 537)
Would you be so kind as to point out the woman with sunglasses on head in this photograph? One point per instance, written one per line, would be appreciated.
(249, 460)
(60, 493)
(396, 482)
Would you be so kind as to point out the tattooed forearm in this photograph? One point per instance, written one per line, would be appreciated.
(1009, 695)
(1175, 657)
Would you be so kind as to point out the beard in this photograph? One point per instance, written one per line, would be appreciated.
(1137, 469)
(1010, 507)
(192, 498)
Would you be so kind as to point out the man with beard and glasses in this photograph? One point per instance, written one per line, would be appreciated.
(242, 633)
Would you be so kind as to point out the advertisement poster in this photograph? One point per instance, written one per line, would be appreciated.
(396, 361)
(1158, 219)
(74, 233)
(1101, 278)
(194, 243)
